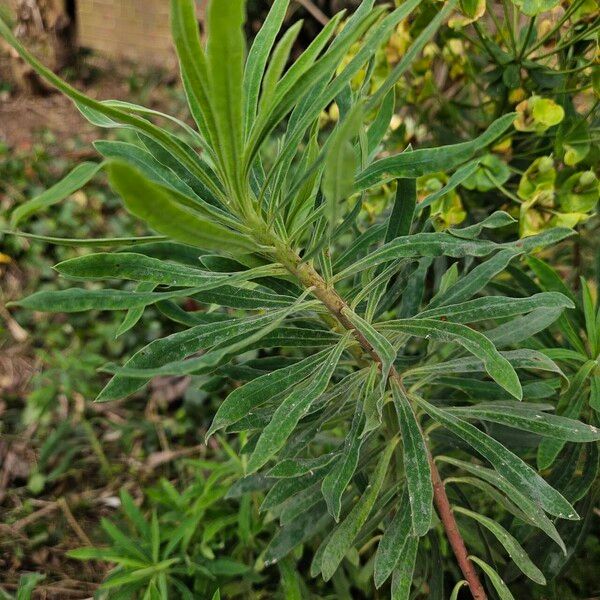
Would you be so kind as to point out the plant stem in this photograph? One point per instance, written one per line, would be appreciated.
(310, 278)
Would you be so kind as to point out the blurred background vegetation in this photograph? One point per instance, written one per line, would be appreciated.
(72, 472)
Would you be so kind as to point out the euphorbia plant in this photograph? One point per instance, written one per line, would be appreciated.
(377, 353)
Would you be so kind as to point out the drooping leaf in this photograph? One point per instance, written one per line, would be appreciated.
(499, 585)
(72, 182)
(403, 575)
(335, 482)
(243, 399)
(416, 463)
(522, 417)
(292, 409)
(344, 534)
(392, 545)
(474, 342)
(511, 545)
(507, 464)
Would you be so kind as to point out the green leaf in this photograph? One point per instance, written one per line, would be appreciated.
(383, 348)
(521, 416)
(531, 512)
(392, 545)
(430, 160)
(86, 242)
(403, 575)
(74, 300)
(137, 267)
(570, 405)
(499, 585)
(511, 545)
(277, 64)
(507, 464)
(497, 307)
(455, 180)
(521, 329)
(466, 287)
(345, 533)
(292, 409)
(193, 66)
(74, 181)
(258, 56)
(245, 398)
(519, 359)
(176, 347)
(134, 314)
(157, 206)
(381, 124)
(107, 111)
(446, 244)
(340, 164)
(225, 53)
(416, 463)
(403, 211)
(499, 369)
(291, 583)
(337, 480)
(456, 589)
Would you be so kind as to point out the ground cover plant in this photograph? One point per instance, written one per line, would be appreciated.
(390, 348)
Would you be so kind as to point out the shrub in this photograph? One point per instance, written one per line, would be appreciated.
(389, 351)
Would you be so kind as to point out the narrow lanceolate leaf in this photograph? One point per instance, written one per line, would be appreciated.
(381, 124)
(522, 417)
(74, 300)
(532, 513)
(455, 180)
(403, 211)
(466, 287)
(499, 585)
(519, 359)
(511, 545)
(521, 329)
(446, 244)
(159, 208)
(429, 160)
(344, 534)
(225, 50)
(403, 575)
(337, 480)
(292, 409)
(392, 545)
(507, 464)
(134, 314)
(570, 403)
(496, 307)
(138, 267)
(340, 164)
(176, 347)
(74, 181)
(279, 59)
(384, 349)
(244, 399)
(258, 56)
(192, 63)
(416, 463)
(498, 368)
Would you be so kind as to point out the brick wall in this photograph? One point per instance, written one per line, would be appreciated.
(133, 29)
